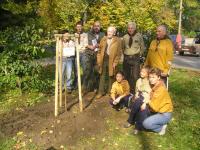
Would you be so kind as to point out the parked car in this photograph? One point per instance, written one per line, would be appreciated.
(188, 45)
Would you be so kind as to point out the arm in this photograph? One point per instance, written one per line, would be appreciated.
(156, 101)
(137, 89)
(126, 89)
(99, 53)
(169, 55)
(113, 91)
(142, 47)
(119, 52)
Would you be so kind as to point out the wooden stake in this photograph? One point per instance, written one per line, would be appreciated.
(79, 79)
(56, 77)
(65, 84)
(60, 70)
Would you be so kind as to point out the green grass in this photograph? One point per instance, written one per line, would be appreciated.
(183, 132)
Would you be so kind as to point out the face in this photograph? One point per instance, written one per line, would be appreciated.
(110, 32)
(160, 32)
(143, 73)
(119, 77)
(131, 29)
(79, 28)
(153, 79)
(96, 27)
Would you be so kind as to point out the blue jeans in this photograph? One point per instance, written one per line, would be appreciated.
(155, 122)
(67, 68)
(137, 116)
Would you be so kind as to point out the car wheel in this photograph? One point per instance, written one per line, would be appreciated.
(181, 53)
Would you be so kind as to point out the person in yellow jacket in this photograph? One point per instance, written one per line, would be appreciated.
(120, 92)
(160, 53)
(160, 104)
(154, 114)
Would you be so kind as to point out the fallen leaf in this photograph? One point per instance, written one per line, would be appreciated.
(20, 133)
(50, 131)
(43, 132)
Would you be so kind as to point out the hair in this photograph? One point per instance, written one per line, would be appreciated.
(64, 31)
(113, 28)
(147, 68)
(155, 71)
(79, 23)
(132, 24)
(120, 72)
(164, 27)
(97, 21)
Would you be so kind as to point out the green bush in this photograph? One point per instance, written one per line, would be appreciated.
(18, 68)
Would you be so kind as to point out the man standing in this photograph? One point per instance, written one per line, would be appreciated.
(160, 54)
(91, 75)
(81, 45)
(108, 58)
(133, 48)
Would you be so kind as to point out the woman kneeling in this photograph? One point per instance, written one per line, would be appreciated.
(160, 104)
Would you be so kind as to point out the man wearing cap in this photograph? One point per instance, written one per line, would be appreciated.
(133, 48)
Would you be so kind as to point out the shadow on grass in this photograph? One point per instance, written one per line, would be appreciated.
(145, 141)
(90, 101)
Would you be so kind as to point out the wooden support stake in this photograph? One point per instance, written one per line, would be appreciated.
(79, 79)
(60, 70)
(65, 84)
(56, 77)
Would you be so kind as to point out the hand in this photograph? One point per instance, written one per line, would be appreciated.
(114, 65)
(143, 107)
(97, 46)
(91, 47)
(164, 74)
(118, 99)
(114, 102)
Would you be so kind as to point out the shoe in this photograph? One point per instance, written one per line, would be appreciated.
(95, 90)
(163, 130)
(127, 110)
(127, 125)
(135, 132)
(84, 92)
(98, 96)
(69, 91)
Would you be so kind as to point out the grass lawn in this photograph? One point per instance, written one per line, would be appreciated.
(183, 132)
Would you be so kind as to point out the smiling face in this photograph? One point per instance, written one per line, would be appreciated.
(96, 27)
(143, 73)
(79, 28)
(131, 29)
(153, 79)
(119, 77)
(110, 32)
(161, 32)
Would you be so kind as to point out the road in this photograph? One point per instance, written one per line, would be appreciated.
(187, 62)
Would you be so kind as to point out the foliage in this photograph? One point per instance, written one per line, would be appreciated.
(17, 65)
(61, 14)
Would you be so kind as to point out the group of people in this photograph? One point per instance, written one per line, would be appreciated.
(141, 90)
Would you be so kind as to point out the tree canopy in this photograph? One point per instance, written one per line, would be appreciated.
(63, 14)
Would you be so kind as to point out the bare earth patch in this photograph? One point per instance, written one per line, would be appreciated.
(38, 124)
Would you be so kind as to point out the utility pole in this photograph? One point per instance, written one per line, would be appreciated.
(180, 17)
(179, 37)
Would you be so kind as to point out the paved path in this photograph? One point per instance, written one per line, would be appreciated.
(187, 62)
